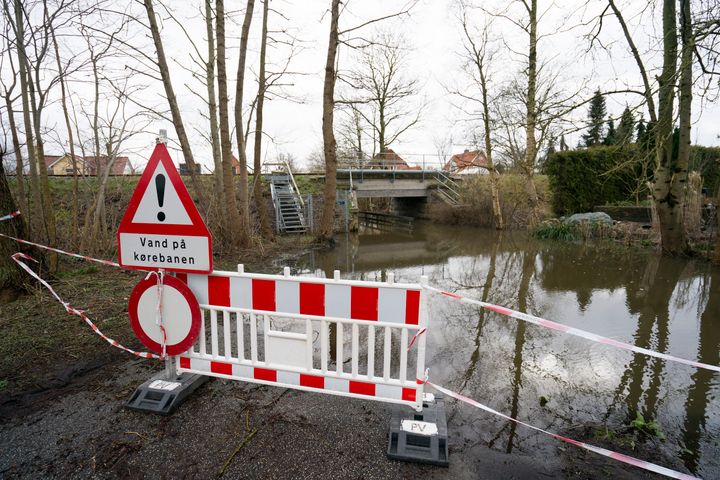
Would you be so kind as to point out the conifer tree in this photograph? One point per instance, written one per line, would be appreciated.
(626, 128)
(563, 144)
(611, 135)
(596, 121)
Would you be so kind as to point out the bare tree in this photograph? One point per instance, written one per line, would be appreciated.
(260, 206)
(235, 233)
(478, 58)
(240, 134)
(382, 90)
(212, 105)
(172, 102)
(121, 123)
(9, 97)
(325, 231)
(71, 144)
(531, 118)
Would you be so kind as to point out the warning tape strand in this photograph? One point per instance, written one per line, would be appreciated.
(592, 448)
(63, 252)
(10, 216)
(571, 330)
(75, 311)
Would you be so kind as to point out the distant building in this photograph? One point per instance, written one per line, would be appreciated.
(389, 160)
(470, 162)
(87, 166)
(185, 169)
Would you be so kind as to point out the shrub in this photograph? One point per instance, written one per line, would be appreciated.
(581, 179)
(476, 202)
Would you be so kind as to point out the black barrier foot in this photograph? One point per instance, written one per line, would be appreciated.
(162, 395)
(419, 437)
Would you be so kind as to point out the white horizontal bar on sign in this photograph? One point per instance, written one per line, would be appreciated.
(315, 371)
(281, 334)
(304, 316)
(330, 281)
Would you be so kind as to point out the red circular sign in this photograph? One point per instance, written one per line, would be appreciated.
(180, 315)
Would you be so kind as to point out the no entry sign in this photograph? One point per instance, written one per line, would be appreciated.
(161, 228)
(180, 313)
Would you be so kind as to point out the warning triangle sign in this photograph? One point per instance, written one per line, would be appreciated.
(162, 228)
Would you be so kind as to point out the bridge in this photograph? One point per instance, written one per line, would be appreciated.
(399, 183)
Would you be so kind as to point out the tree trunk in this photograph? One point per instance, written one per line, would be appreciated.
(19, 170)
(329, 145)
(240, 135)
(212, 108)
(669, 175)
(63, 97)
(260, 206)
(236, 234)
(48, 208)
(717, 233)
(531, 150)
(36, 215)
(494, 179)
(11, 277)
(174, 109)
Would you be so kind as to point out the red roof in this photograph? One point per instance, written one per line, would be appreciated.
(389, 159)
(90, 162)
(466, 160)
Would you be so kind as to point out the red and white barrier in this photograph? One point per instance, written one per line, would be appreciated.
(238, 306)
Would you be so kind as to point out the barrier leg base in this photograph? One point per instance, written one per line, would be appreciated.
(419, 437)
(163, 396)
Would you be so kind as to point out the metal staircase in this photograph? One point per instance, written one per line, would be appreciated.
(447, 188)
(289, 205)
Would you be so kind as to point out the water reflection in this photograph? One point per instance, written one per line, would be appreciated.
(665, 304)
(700, 392)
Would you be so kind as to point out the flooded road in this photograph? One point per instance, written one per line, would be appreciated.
(557, 382)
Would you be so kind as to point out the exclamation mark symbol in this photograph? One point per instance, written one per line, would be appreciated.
(160, 188)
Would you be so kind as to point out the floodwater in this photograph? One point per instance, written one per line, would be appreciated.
(593, 391)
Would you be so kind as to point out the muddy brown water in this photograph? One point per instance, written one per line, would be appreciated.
(593, 391)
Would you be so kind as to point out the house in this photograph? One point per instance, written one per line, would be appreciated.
(62, 165)
(184, 169)
(389, 160)
(470, 162)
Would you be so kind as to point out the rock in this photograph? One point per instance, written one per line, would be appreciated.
(590, 217)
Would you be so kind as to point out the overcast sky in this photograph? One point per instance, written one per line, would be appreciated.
(434, 45)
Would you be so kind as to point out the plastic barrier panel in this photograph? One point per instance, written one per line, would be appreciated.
(287, 331)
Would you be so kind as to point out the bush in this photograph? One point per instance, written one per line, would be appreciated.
(581, 179)
(556, 231)
(616, 175)
(476, 202)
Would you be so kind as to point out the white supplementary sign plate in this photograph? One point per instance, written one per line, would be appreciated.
(419, 428)
(164, 385)
(172, 252)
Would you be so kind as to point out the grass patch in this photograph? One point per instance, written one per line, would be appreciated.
(89, 270)
(556, 231)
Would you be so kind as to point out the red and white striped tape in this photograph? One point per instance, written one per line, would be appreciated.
(74, 311)
(571, 330)
(63, 252)
(356, 302)
(10, 216)
(592, 448)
